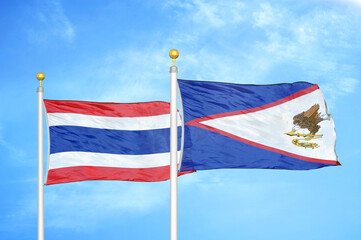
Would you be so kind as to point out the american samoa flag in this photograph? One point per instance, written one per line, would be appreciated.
(108, 141)
(280, 126)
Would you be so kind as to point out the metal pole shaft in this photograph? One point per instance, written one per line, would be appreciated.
(40, 91)
(173, 155)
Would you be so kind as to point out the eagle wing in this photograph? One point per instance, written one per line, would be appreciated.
(309, 119)
(312, 112)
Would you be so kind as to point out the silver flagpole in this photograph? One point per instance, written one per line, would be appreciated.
(40, 76)
(173, 148)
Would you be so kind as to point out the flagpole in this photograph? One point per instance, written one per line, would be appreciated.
(40, 76)
(173, 148)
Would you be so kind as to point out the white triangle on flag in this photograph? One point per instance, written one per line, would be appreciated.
(267, 128)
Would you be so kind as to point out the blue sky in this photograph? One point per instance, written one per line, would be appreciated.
(118, 51)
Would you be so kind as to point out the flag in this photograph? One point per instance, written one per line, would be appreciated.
(280, 126)
(108, 141)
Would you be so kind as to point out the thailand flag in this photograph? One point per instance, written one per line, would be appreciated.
(281, 126)
(108, 141)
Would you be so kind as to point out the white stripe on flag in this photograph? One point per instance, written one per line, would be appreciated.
(73, 159)
(116, 123)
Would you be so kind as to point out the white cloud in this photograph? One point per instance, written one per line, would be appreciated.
(53, 22)
(352, 2)
(249, 44)
(22, 215)
(339, 87)
(348, 85)
(267, 16)
(83, 205)
(135, 75)
(211, 13)
(303, 40)
(13, 152)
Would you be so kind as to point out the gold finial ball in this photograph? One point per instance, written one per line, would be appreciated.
(40, 76)
(173, 53)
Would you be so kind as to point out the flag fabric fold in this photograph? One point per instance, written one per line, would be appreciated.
(280, 126)
(108, 141)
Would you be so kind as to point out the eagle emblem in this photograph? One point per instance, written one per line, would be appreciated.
(307, 120)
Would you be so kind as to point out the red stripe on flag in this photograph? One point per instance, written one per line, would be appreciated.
(144, 109)
(84, 173)
(262, 107)
(227, 134)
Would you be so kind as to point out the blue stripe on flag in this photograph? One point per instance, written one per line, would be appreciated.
(201, 98)
(211, 150)
(84, 139)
